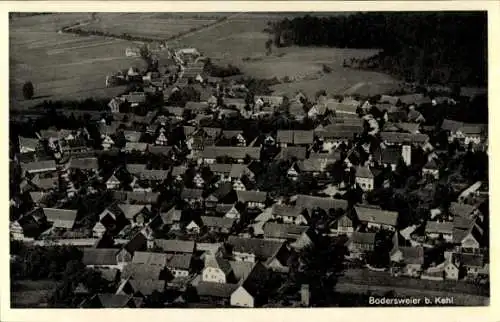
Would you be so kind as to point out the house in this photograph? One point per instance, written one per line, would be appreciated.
(135, 98)
(400, 138)
(472, 264)
(265, 100)
(84, 164)
(192, 195)
(179, 264)
(172, 218)
(218, 224)
(239, 154)
(376, 218)
(39, 167)
(252, 198)
(228, 211)
(286, 137)
(141, 288)
(193, 227)
(249, 292)
(109, 301)
(388, 157)
(436, 229)
(143, 272)
(342, 226)
(360, 243)
(136, 214)
(217, 270)
(174, 246)
(222, 170)
(29, 145)
(273, 252)
(100, 257)
(150, 258)
(60, 218)
(469, 133)
(290, 232)
(410, 258)
(365, 178)
(289, 214)
(312, 202)
(470, 239)
(137, 147)
(112, 182)
(431, 169)
(139, 242)
(215, 293)
(291, 153)
(107, 142)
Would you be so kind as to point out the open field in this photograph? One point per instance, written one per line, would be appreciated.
(31, 294)
(150, 25)
(61, 66)
(240, 41)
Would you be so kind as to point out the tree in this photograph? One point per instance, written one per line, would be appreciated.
(269, 44)
(28, 90)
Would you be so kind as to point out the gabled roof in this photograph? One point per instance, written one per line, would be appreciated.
(283, 231)
(196, 106)
(325, 203)
(130, 211)
(251, 196)
(224, 168)
(398, 137)
(39, 165)
(188, 193)
(218, 290)
(262, 248)
(362, 238)
(378, 216)
(212, 152)
(310, 165)
(147, 197)
(147, 287)
(99, 256)
(114, 301)
(160, 150)
(412, 255)
(135, 168)
(132, 136)
(219, 222)
(238, 170)
(451, 125)
(289, 152)
(431, 165)
(439, 227)
(295, 137)
(179, 261)
(136, 146)
(285, 210)
(30, 143)
(137, 243)
(175, 245)
(461, 210)
(389, 155)
(62, 218)
(178, 170)
(241, 270)
(364, 172)
(150, 258)
(218, 262)
(84, 163)
(469, 260)
(137, 271)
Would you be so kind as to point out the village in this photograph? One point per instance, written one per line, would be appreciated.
(195, 190)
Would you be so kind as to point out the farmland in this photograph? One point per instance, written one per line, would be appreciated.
(240, 40)
(61, 65)
(69, 66)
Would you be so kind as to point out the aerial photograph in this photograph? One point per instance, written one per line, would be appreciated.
(248, 159)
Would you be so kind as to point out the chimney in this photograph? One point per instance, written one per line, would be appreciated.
(305, 295)
(406, 153)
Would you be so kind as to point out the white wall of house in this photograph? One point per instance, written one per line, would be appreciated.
(366, 184)
(241, 298)
(213, 274)
(244, 257)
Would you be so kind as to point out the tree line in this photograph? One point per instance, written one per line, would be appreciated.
(416, 46)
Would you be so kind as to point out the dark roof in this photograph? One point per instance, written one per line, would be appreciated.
(218, 262)
(451, 125)
(99, 256)
(389, 155)
(241, 270)
(412, 255)
(399, 137)
(362, 238)
(470, 260)
(461, 210)
(220, 222)
(378, 216)
(285, 210)
(141, 271)
(364, 172)
(175, 246)
(84, 163)
(143, 197)
(160, 150)
(220, 168)
(325, 203)
(147, 287)
(150, 258)
(251, 196)
(439, 227)
(262, 248)
(38, 165)
(283, 231)
(290, 152)
(212, 152)
(137, 243)
(63, 218)
(188, 193)
(179, 261)
(114, 301)
(219, 290)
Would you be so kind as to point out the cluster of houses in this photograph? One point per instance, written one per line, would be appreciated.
(141, 247)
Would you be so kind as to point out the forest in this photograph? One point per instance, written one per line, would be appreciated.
(423, 47)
